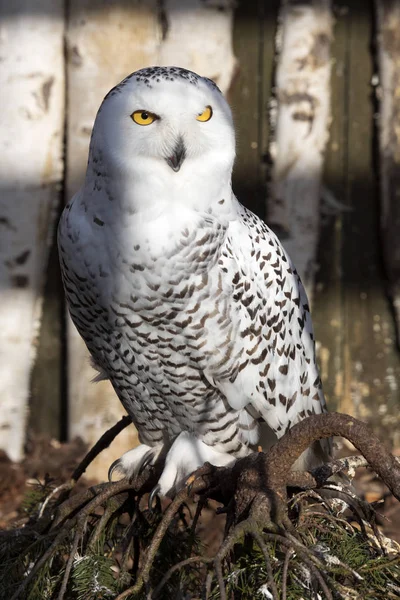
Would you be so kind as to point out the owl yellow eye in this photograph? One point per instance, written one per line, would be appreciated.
(205, 115)
(143, 117)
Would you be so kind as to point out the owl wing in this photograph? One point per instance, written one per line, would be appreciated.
(275, 376)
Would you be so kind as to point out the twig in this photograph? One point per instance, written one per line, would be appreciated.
(70, 505)
(378, 566)
(68, 567)
(110, 491)
(39, 564)
(115, 503)
(200, 505)
(220, 577)
(317, 477)
(263, 548)
(143, 483)
(316, 573)
(65, 486)
(309, 558)
(208, 584)
(179, 565)
(101, 445)
(143, 574)
(285, 569)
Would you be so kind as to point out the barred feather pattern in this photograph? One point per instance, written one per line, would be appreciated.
(208, 338)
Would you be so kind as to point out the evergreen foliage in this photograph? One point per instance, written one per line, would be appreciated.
(280, 543)
(346, 552)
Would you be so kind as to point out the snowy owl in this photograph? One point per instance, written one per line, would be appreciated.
(186, 300)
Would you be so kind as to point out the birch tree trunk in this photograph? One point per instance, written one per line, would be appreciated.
(301, 128)
(197, 35)
(106, 43)
(31, 140)
(388, 19)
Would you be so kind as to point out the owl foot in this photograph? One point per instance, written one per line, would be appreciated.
(205, 470)
(154, 494)
(134, 461)
(185, 456)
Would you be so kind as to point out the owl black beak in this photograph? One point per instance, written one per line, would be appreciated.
(175, 161)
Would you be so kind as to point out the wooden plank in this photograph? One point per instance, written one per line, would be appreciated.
(47, 397)
(370, 362)
(254, 40)
(31, 140)
(388, 46)
(244, 101)
(301, 131)
(327, 303)
(106, 43)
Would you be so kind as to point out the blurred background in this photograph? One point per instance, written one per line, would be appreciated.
(315, 91)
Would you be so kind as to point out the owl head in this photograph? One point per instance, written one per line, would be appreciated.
(168, 124)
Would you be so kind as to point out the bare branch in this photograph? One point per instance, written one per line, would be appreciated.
(284, 453)
(101, 445)
(254, 494)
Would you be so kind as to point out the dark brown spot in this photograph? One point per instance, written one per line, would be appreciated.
(260, 359)
(136, 267)
(291, 402)
(203, 240)
(266, 369)
(46, 91)
(22, 258)
(19, 281)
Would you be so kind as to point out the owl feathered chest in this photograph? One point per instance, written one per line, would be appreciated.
(200, 310)
(157, 303)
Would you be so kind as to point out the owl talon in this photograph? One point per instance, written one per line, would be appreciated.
(198, 474)
(113, 467)
(153, 494)
(132, 463)
(190, 480)
(147, 459)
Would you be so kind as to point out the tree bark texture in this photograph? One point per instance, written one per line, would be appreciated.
(31, 168)
(388, 46)
(301, 128)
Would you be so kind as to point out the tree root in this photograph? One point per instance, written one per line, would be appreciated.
(254, 494)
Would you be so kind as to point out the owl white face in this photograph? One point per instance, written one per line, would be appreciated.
(168, 122)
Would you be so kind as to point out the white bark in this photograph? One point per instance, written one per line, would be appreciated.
(301, 128)
(198, 36)
(106, 43)
(388, 18)
(31, 138)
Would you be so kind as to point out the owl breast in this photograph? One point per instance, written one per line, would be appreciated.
(150, 321)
